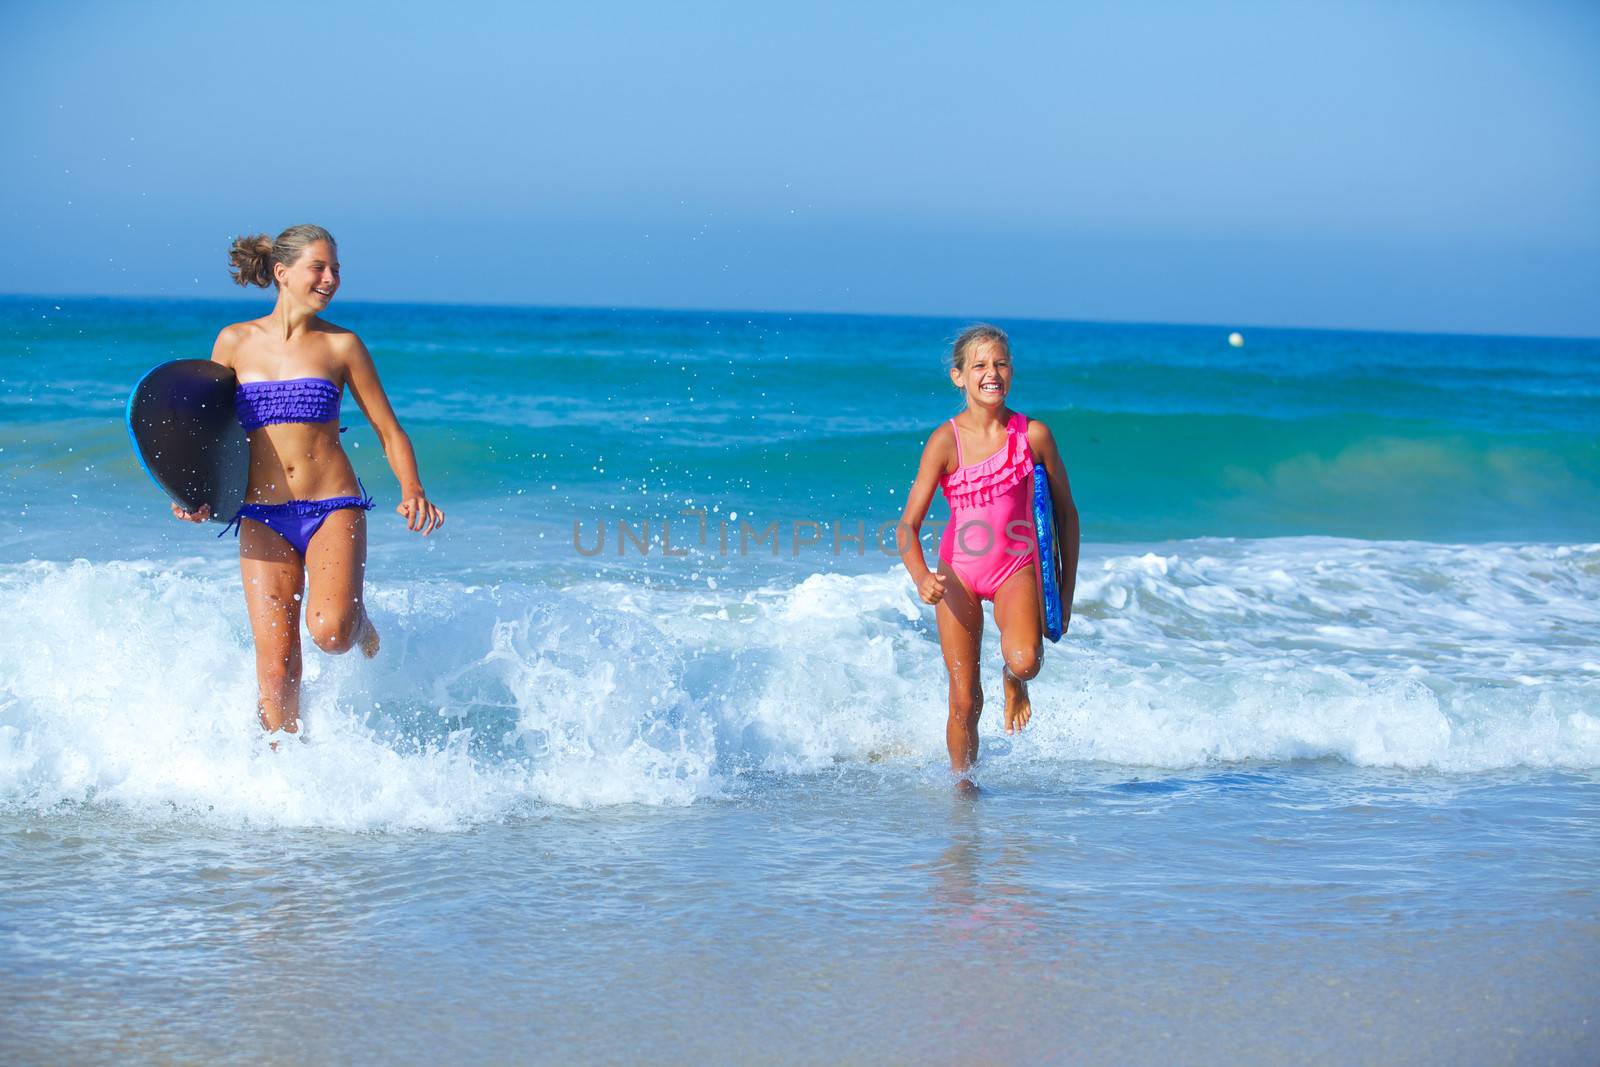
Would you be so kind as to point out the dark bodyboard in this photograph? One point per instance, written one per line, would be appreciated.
(187, 436)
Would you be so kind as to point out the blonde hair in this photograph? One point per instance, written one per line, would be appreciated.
(980, 333)
(252, 257)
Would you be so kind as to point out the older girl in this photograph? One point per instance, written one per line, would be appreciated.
(305, 511)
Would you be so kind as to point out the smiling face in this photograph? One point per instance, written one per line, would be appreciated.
(985, 375)
(313, 278)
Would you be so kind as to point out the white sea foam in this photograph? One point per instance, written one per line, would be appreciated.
(131, 684)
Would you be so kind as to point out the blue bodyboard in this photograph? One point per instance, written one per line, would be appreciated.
(187, 436)
(1049, 569)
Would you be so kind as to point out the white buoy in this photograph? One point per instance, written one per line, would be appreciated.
(1236, 339)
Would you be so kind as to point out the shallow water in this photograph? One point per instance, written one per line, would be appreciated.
(1262, 913)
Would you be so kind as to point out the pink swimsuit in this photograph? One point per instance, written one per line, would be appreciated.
(981, 544)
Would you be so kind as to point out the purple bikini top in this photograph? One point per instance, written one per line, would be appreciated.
(291, 400)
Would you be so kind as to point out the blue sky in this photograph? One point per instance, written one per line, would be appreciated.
(1418, 166)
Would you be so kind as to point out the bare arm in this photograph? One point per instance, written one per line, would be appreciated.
(1043, 444)
(937, 456)
(361, 374)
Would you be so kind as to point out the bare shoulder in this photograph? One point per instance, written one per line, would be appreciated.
(338, 337)
(941, 447)
(347, 348)
(1040, 439)
(239, 332)
(232, 339)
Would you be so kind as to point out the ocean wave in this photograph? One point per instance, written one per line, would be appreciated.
(130, 684)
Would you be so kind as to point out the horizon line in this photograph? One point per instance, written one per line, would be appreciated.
(814, 313)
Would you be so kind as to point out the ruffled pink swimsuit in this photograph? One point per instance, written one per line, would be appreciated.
(981, 544)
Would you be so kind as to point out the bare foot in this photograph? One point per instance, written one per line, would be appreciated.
(966, 787)
(291, 727)
(368, 638)
(1018, 708)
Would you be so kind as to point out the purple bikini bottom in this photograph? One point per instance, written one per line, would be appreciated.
(297, 521)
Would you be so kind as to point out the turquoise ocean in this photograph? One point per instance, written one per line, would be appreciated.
(652, 769)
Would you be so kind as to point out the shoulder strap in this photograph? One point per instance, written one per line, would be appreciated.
(1021, 422)
(957, 431)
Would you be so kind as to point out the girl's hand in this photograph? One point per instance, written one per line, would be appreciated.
(421, 514)
(931, 588)
(192, 516)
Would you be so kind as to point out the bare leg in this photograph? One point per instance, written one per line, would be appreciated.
(1016, 613)
(273, 583)
(336, 565)
(960, 618)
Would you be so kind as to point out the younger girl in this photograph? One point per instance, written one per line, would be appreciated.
(305, 513)
(983, 459)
